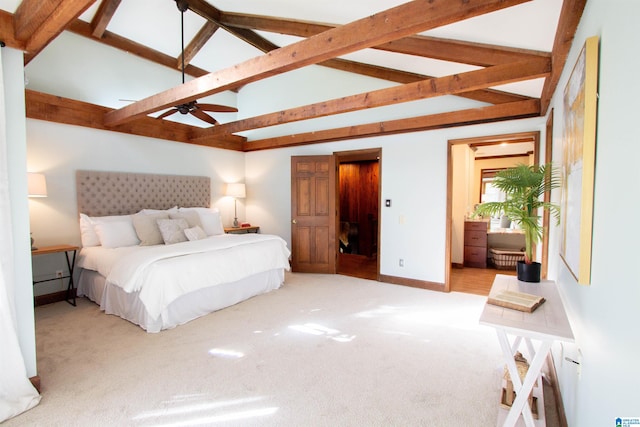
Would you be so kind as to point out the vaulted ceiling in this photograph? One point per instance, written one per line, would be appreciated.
(497, 60)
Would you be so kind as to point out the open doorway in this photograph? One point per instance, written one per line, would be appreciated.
(468, 160)
(358, 210)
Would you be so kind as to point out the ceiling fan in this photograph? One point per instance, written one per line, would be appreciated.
(193, 107)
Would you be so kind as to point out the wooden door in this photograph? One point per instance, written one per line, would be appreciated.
(313, 214)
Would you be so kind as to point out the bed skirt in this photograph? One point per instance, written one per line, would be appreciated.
(114, 300)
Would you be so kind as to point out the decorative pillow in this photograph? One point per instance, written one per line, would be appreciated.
(195, 233)
(116, 234)
(146, 226)
(192, 217)
(87, 227)
(172, 230)
(210, 219)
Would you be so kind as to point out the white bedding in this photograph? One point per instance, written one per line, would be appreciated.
(163, 273)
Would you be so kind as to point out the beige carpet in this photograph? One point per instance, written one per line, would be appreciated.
(324, 350)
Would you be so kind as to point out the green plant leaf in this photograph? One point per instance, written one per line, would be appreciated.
(524, 186)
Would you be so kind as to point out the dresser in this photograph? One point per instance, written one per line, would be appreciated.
(475, 243)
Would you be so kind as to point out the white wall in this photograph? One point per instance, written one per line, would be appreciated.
(604, 315)
(414, 177)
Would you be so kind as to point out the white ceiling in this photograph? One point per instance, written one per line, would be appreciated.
(61, 66)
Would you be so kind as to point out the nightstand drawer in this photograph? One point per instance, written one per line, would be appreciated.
(476, 225)
(475, 256)
(475, 238)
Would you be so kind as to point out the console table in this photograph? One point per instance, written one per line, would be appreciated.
(547, 324)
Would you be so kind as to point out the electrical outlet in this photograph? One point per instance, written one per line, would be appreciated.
(58, 273)
(401, 262)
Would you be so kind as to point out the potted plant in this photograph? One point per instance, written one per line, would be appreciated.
(524, 187)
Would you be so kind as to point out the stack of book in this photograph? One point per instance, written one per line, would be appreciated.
(516, 300)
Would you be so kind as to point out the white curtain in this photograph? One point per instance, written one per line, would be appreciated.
(17, 394)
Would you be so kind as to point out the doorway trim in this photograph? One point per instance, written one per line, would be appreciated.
(354, 156)
(533, 136)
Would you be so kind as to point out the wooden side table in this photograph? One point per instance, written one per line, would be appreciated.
(70, 256)
(242, 230)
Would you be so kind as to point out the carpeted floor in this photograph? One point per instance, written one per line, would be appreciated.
(324, 350)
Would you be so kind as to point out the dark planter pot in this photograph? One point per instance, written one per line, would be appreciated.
(528, 272)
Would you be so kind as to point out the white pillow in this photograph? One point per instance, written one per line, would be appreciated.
(156, 211)
(87, 227)
(195, 233)
(172, 230)
(146, 226)
(87, 232)
(210, 219)
(116, 234)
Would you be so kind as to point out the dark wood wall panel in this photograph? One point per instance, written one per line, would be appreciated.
(359, 200)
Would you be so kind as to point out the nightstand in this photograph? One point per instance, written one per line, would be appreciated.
(242, 230)
(70, 256)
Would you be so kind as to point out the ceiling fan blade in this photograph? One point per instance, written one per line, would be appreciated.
(217, 108)
(204, 116)
(167, 113)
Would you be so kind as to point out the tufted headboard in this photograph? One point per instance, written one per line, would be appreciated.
(120, 193)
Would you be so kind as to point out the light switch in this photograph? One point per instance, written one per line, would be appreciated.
(387, 203)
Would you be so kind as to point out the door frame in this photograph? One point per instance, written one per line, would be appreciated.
(354, 156)
(492, 139)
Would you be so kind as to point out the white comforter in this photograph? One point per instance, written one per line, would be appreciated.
(163, 273)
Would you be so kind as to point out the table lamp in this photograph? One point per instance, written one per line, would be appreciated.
(237, 191)
(36, 187)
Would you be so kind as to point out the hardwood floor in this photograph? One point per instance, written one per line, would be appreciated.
(358, 266)
(475, 280)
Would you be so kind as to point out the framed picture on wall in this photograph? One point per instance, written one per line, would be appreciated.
(578, 162)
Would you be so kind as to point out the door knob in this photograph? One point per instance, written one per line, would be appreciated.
(293, 221)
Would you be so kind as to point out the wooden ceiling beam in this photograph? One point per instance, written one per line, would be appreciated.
(38, 22)
(401, 21)
(448, 85)
(376, 71)
(110, 39)
(43, 106)
(7, 31)
(490, 96)
(494, 113)
(30, 15)
(253, 38)
(126, 45)
(271, 24)
(246, 34)
(479, 54)
(570, 15)
(103, 16)
(198, 42)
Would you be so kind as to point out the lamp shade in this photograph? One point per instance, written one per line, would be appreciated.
(236, 190)
(36, 185)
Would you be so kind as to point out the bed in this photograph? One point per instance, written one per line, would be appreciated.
(154, 252)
